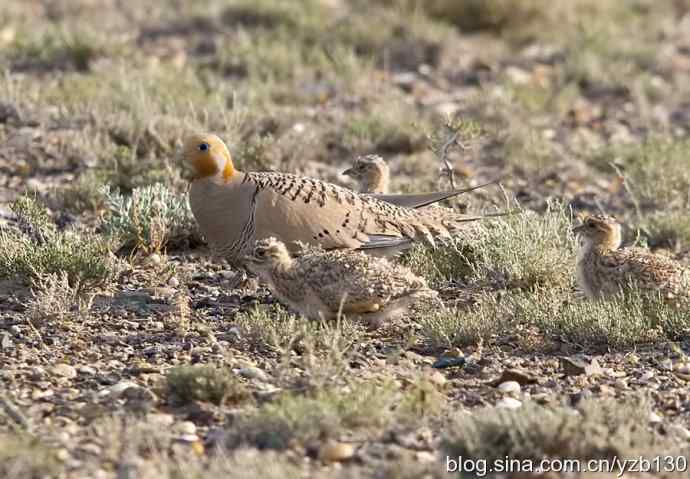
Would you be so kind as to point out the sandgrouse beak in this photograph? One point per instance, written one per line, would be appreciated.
(578, 228)
(348, 172)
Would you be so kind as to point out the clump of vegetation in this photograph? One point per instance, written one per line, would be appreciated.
(274, 329)
(37, 248)
(322, 348)
(521, 251)
(25, 456)
(646, 168)
(383, 132)
(527, 250)
(205, 383)
(56, 48)
(667, 229)
(152, 218)
(629, 318)
(54, 297)
(447, 328)
(319, 415)
(623, 320)
(597, 429)
(482, 15)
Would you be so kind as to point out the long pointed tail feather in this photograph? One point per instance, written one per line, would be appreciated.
(420, 200)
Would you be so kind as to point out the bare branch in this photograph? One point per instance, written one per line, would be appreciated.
(445, 149)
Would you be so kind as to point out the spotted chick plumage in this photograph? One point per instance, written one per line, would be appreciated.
(372, 173)
(604, 269)
(322, 284)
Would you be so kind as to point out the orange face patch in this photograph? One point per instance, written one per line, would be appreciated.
(229, 170)
(205, 165)
(209, 156)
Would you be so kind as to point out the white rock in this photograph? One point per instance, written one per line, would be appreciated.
(425, 456)
(64, 370)
(185, 427)
(117, 389)
(509, 387)
(683, 432)
(438, 378)
(252, 373)
(508, 403)
(174, 282)
(654, 418)
(187, 438)
(160, 419)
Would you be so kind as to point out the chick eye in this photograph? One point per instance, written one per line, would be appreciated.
(260, 253)
(204, 147)
(590, 225)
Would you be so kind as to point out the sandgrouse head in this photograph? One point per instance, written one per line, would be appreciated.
(208, 156)
(268, 253)
(600, 231)
(368, 169)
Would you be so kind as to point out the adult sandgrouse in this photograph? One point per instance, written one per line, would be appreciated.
(372, 174)
(321, 284)
(234, 209)
(603, 269)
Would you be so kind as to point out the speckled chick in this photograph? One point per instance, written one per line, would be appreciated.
(320, 284)
(372, 174)
(235, 208)
(603, 268)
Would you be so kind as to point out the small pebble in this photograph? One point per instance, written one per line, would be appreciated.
(336, 451)
(448, 362)
(160, 419)
(509, 387)
(64, 370)
(667, 365)
(438, 378)
(235, 332)
(117, 389)
(38, 394)
(173, 282)
(425, 456)
(88, 370)
(654, 418)
(157, 325)
(62, 454)
(185, 427)
(186, 431)
(508, 403)
(252, 373)
(6, 341)
(683, 432)
(91, 448)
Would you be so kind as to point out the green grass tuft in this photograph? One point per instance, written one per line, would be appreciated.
(38, 248)
(204, 383)
(598, 429)
(152, 218)
(304, 418)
